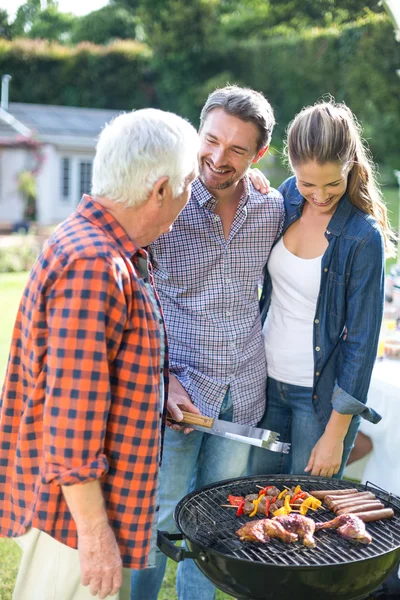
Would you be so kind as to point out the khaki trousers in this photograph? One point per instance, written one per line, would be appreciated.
(50, 570)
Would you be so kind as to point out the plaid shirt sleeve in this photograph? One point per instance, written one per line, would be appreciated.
(86, 312)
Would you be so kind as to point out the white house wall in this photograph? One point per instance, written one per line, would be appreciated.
(53, 207)
(12, 162)
(47, 187)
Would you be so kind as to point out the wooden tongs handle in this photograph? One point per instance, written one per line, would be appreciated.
(193, 419)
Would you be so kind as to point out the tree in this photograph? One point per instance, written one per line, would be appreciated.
(25, 16)
(50, 24)
(185, 40)
(5, 27)
(104, 25)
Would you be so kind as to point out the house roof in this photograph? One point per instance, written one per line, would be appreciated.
(6, 130)
(48, 120)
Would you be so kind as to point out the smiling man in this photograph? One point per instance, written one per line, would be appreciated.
(207, 272)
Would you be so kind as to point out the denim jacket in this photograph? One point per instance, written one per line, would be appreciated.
(351, 296)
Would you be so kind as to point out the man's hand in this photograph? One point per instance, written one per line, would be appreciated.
(100, 560)
(99, 555)
(178, 400)
(258, 179)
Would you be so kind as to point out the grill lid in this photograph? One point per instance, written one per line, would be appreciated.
(202, 519)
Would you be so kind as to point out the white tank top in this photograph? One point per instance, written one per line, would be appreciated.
(288, 329)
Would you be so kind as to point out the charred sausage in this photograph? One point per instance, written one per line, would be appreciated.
(352, 502)
(366, 507)
(321, 494)
(334, 500)
(376, 515)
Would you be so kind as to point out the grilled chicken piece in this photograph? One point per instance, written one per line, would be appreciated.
(350, 527)
(264, 529)
(301, 526)
(253, 532)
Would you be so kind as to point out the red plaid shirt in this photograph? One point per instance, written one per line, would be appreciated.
(81, 398)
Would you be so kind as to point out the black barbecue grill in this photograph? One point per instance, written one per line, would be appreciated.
(336, 569)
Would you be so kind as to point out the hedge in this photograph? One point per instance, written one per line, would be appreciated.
(113, 76)
(356, 63)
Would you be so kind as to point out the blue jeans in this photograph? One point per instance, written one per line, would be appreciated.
(290, 412)
(189, 462)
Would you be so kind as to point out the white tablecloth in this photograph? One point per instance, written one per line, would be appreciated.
(382, 465)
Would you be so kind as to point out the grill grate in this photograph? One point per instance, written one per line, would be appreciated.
(202, 520)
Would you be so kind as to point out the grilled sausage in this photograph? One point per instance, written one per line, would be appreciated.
(357, 499)
(334, 500)
(321, 494)
(376, 515)
(366, 507)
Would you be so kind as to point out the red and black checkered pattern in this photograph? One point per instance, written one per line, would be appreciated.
(81, 394)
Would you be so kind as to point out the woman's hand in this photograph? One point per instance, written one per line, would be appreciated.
(178, 400)
(258, 179)
(326, 456)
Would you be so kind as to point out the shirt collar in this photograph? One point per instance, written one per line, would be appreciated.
(96, 214)
(203, 195)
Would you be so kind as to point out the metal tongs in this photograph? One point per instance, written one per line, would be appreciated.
(263, 438)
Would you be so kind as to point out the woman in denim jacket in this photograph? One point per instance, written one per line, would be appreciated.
(323, 295)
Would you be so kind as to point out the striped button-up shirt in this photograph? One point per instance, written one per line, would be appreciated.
(208, 287)
(81, 398)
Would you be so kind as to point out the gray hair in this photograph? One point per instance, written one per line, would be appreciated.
(245, 104)
(135, 149)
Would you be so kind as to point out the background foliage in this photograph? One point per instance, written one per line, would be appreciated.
(177, 52)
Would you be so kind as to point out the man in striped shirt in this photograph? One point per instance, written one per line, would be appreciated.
(81, 406)
(207, 273)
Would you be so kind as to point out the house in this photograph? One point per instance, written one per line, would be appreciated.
(57, 144)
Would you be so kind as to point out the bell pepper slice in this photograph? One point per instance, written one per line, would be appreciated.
(235, 500)
(264, 490)
(298, 496)
(256, 502)
(286, 505)
(280, 511)
(240, 509)
(297, 489)
(282, 494)
(307, 503)
(267, 505)
(273, 499)
(315, 503)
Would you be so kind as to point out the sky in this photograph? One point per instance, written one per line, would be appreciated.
(77, 7)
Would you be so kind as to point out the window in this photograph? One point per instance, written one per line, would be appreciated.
(85, 177)
(65, 178)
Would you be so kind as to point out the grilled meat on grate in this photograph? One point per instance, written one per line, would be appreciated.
(350, 527)
(263, 530)
(302, 526)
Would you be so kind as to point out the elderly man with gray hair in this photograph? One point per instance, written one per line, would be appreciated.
(83, 399)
